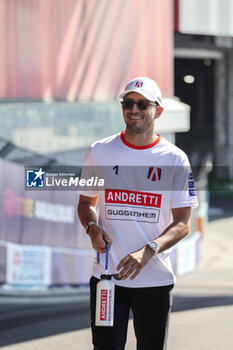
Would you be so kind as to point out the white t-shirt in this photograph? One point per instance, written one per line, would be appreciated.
(142, 185)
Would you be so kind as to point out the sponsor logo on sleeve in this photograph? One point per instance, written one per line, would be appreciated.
(191, 185)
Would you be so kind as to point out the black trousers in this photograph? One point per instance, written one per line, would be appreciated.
(151, 309)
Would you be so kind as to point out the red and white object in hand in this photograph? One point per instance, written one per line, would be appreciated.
(105, 294)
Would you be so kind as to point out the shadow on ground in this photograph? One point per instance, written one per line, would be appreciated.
(24, 322)
(185, 303)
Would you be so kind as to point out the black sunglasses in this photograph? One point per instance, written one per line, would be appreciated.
(142, 105)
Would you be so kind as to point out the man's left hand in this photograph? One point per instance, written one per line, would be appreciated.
(134, 262)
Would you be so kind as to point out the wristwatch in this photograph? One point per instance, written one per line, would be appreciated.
(153, 245)
(89, 225)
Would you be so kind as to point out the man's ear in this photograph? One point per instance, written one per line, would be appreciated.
(159, 111)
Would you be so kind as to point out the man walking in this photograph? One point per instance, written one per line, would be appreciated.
(152, 185)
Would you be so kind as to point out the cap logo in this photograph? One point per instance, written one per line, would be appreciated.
(139, 84)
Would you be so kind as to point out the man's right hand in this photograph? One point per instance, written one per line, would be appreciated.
(87, 213)
(98, 238)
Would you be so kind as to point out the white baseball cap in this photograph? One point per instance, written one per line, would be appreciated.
(146, 87)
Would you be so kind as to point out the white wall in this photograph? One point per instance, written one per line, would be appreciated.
(209, 17)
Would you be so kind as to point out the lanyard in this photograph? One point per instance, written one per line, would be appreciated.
(115, 275)
(106, 257)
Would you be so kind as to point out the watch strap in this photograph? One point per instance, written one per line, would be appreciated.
(87, 228)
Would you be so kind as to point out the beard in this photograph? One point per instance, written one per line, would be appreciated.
(138, 126)
(136, 129)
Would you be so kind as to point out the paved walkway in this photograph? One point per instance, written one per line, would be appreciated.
(203, 311)
(202, 317)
